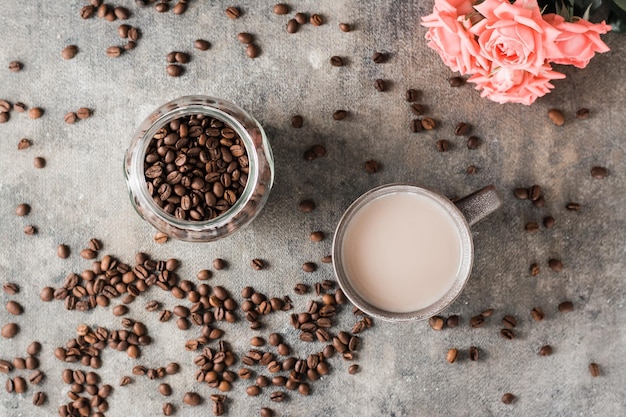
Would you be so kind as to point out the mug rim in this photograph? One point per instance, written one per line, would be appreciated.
(467, 253)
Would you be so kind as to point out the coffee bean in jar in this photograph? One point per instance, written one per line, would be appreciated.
(199, 168)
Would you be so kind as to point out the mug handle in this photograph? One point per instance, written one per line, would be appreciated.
(479, 204)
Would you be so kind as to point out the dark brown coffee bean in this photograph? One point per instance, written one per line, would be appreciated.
(345, 27)
(63, 251)
(316, 20)
(36, 377)
(451, 355)
(556, 265)
(531, 227)
(599, 172)
(180, 8)
(257, 264)
(582, 113)
(19, 385)
(165, 389)
(473, 353)
(507, 334)
(594, 370)
(15, 66)
(487, 313)
(309, 267)
(4, 117)
(456, 81)
(471, 170)
(122, 31)
(477, 321)
(509, 322)
(307, 206)
(69, 52)
(416, 126)
(327, 259)
(39, 399)
(380, 85)
(452, 321)
(233, 12)
(548, 222)
(535, 192)
(411, 95)
(174, 70)
(462, 129)
(253, 390)
(292, 26)
(192, 398)
(181, 57)
(219, 264)
(245, 38)
(340, 114)
(508, 398)
(86, 12)
(521, 193)
(5, 366)
(168, 409)
(556, 116)
(297, 121)
(5, 106)
(39, 162)
(278, 396)
(13, 307)
(120, 310)
(336, 61)
(473, 142)
(252, 51)
(301, 18)
(573, 206)
(201, 44)
(442, 145)
(545, 350)
(436, 322)
(46, 294)
(534, 269)
(114, 51)
(35, 112)
(566, 307)
(281, 9)
(9, 330)
(537, 314)
(372, 166)
(23, 143)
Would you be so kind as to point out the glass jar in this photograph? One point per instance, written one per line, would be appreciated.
(255, 192)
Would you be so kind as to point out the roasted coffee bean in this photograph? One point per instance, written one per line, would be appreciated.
(340, 114)
(307, 206)
(442, 145)
(594, 370)
(582, 113)
(573, 206)
(257, 264)
(15, 66)
(252, 51)
(316, 20)
(69, 52)
(456, 81)
(39, 398)
(192, 398)
(278, 396)
(462, 129)
(165, 389)
(63, 251)
(509, 322)
(46, 294)
(473, 142)
(10, 288)
(508, 398)
(417, 109)
(4, 117)
(531, 227)
(180, 7)
(429, 123)
(281, 9)
(451, 355)
(487, 313)
(473, 353)
(39, 162)
(5, 366)
(372, 166)
(416, 125)
(233, 12)
(292, 26)
(301, 18)
(535, 192)
(336, 61)
(201, 44)
(9, 330)
(23, 143)
(537, 314)
(13, 307)
(36, 377)
(30, 230)
(471, 170)
(566, 307)
(309, 267)
(521, 193)
(380, 85)
(327, 259)
(245, 38)
(345, 27)
(436, 322)
(452, 321)
(181, 57)
(507, 334)
(22, 209)
(556, 265)
(253, 390)
(599, 172)
(545, 350)
(35, 112)
(411, 95)
(297, 121)
(548, 222)
(114, 51)
(174, 70)
(556, 116)
(477, 321)
(534, 269)
(19, 385)
(219, 264)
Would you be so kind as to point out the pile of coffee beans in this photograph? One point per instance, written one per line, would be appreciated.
(196, 167)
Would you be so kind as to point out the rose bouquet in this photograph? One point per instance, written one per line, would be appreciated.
(508, 48)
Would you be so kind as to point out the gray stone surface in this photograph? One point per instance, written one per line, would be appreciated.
(81, 194)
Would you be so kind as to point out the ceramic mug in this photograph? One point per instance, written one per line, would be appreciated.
(403, 252)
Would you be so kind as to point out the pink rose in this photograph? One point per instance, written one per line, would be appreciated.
(448, 35)
(578, 41)
(505, 85)
(514, 36)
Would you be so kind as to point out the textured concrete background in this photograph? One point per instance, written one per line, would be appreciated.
(81, 194)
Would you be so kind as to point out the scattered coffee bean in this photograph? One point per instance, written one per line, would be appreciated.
(380, 85)
(545, 350)
(174, 70)
(473, 142)
(253, 390)
(162, 7)
(309, 267)
(301, 18)
(340, 114)
(531, 227)
(281, 9)
(165, 389)
(114, 51)
(372, 166)
(257, 264)
(416, 125)
(301, 289)
(509, 322)
(168, 409)
(537, 314)
(442, 145)
(471, 170)
(477, 321)
(219, 264)
(316, 20)
(317, 236)
(599, 172)
(487, 313)
(429, 123)
(379, 57)
(555, 265)
(556, 116)
(46, 294)
(336, 61)
(534, 269)
(180, 7)
(252, 51)
(452, 321)
(233, 12)
(83, 113)
(10, 288)
(15, 66)
(36, 377)
(35, 112)
(23, 143)
(278, 396)
(15, 308)
(327, 259)
(39, 162)
(245, 38)
(70, 118)
(462, 129)
(345, 27)
(39, 399)
(508, 398)
(192, 398)
(582, 113)
(4, 117)
(160, 237)
(353, 369)
(22, 210)
(417, 109)
(521, 193)
(411, 95)
(436, 322)
(473, 353)
(456, 81)
(5, 366)
(573, 206)
(63, 251)
(30, 230)
(19, 385)
(292, 26)
(34, 348)
(451, 355)
(307, 206)
(69, 52)
(566, 307)
(201, 44)
(594, 370)
(535, 192)
(549, 222)
(9, 330)
(507, 334)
